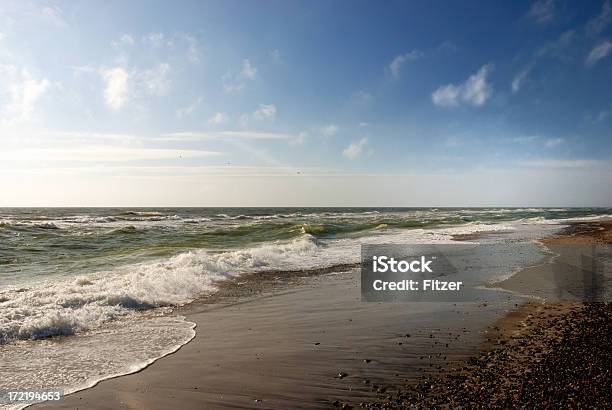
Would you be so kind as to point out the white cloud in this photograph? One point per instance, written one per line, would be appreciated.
(188, 109)
(155, 80)
(542, 11)
(601, 21)
(265, 112)
(553, 142)
(233, 82)
(396, 64)
(301, 138)
(364, 124)
(602, 115)
(519, 79)
(244, 120)
(220, 135)
(121, 85)
(101, 153)
(599, 52)
(446, 96)
(155, 39)
(475, 90)
(560, 163)
(218, 118)
(557, 47)
(355, 149)
(523, 139)
(83, 69)
(546, 142)
(23, 91)
(193, 49)
(88, 136)
(329, 130)
(248, 71)
(116, 88)
(124, 40)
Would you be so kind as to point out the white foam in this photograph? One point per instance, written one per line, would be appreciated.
(72, 305)
(98, 355)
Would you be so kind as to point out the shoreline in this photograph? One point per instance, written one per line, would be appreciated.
(295, 341)
(541, 354)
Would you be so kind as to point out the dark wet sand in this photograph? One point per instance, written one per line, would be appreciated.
(573, 274)
(311, 343)
(303, 347)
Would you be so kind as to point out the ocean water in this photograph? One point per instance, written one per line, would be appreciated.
(109, 278)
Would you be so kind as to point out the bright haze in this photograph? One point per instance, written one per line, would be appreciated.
(289, 103)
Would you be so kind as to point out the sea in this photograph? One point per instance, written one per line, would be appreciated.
(90, 293)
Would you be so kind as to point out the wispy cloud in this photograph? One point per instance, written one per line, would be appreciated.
(395, 65)
(553, 142)
(558, 48)
(599, 52)
(156, 39)
(329, 130)
(563, 163)
(218, 118)
(188, 109)
(519, 79)
(101, 153)
(475, 90)
(265, 112)
(55, 15)
(88, 136)
(125, 40)
(543, 141)
(193, 48)
(601, 21)
(155, 80)
(542, 11)
(23, 91)
(602, 115)
(221, 135)
(355, 149)
(236, 81)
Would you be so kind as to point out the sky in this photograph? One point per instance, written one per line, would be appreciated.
(313, 103)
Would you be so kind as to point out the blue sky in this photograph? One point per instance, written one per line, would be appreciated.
(241, 103)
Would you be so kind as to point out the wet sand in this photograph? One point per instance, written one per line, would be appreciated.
(306, 344)
(574, 273)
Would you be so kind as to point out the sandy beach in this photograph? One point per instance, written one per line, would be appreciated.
(305, 346)
(309, 342)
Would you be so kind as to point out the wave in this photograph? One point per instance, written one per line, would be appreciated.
(74, 305)
(143, 213)
(78, 363)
